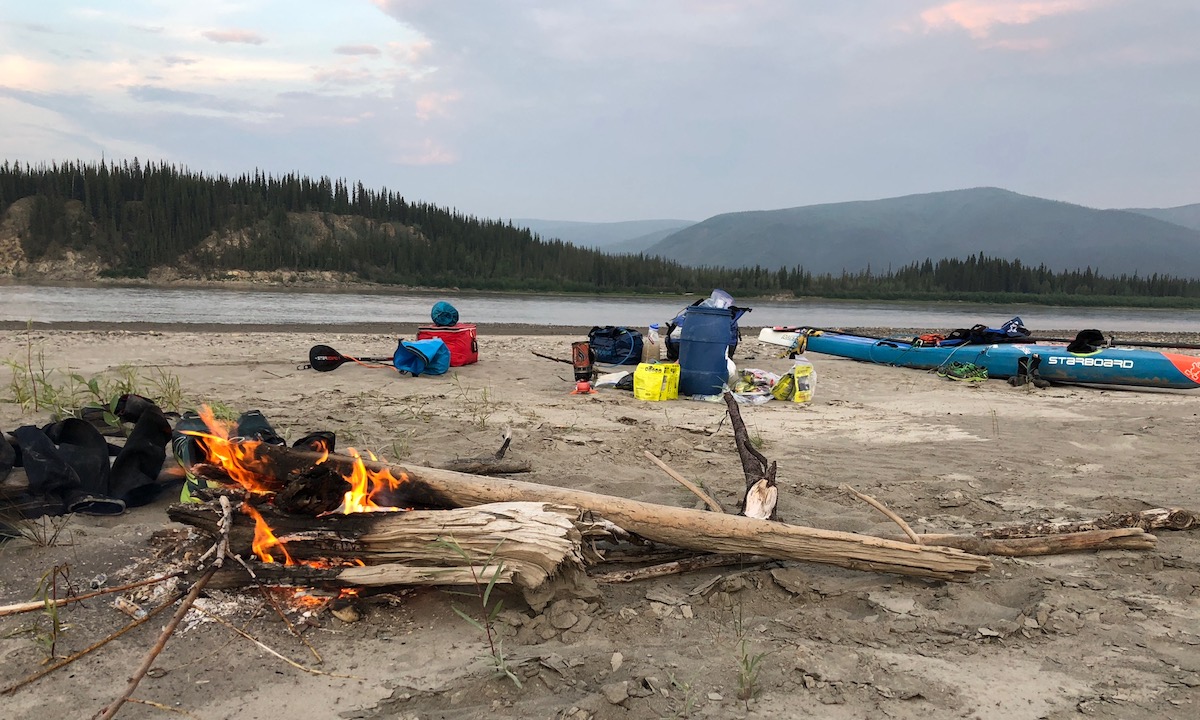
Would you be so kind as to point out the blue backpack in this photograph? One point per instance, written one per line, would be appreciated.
(422, 357)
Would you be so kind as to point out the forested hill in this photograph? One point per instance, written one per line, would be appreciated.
(131, 220)
(127, 219)
(890, 233)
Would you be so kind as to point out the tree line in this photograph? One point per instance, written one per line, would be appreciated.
(136, 216)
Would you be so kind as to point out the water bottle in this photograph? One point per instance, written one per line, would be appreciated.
(650, 346)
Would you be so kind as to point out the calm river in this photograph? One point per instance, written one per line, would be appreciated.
(45, 304)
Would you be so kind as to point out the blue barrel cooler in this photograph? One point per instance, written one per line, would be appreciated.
(704, 340)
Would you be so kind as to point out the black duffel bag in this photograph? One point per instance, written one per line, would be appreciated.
(613, 345)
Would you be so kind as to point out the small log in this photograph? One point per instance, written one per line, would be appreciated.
(487, 466)
(692, 529)
(1087, 541)
(1153, 519)
(493, 464)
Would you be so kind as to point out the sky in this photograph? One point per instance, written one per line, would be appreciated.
(615, 110)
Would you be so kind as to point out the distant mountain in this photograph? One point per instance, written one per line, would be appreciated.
(895, 232)
(631, 236)
(1186, 215)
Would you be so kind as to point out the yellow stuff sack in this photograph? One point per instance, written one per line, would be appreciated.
(656, 381)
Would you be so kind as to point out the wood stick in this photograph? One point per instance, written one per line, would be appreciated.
(692, 529)
(148, 661)
(884, 509)
(709, 500)
(699, 562)
(36, 605)
(547, 357)
(89, 649)
(272, 651)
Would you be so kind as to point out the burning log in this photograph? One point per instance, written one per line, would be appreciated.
(526, 542)
(696, 530)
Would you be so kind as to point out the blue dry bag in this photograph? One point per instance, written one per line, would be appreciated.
(422, 357)
(444, 314)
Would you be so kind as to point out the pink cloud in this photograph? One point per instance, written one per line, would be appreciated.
(978, 17)
(430, 153)
(432, 104)
(246, 37)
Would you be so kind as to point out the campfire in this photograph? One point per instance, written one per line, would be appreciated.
(320, 519)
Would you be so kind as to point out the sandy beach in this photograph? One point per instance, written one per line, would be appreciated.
(1110, 634)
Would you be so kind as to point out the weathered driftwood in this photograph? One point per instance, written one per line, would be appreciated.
(531, 540)
(493, 464)
(487, 466)
(1086, 541)
(699, 562)
(692, 529)
(761, 499)
(1148, 520)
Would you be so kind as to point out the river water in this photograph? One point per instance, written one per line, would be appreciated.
(52, 304)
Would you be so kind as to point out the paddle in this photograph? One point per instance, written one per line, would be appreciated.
(1113, 342)
(323, 358)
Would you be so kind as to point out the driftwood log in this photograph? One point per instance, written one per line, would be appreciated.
(526, 542)
(493, 464)
(1084, 541)
(692, 529)
(1148, 520)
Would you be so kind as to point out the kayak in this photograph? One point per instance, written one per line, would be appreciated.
(1052, 361)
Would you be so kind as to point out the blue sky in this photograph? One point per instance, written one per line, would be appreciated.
(612, 110)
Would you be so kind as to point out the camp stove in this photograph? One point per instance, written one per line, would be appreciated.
(581, 360)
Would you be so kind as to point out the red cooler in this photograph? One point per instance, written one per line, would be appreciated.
(460, 339)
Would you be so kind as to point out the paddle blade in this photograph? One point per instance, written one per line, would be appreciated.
(323, 358)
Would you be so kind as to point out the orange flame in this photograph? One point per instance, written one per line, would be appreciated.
(370, 490)
(264, 538)
(366, 486)
(237, 459)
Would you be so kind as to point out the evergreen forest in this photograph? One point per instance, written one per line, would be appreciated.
(136, 216)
